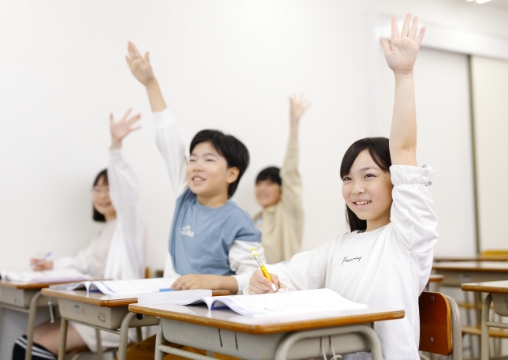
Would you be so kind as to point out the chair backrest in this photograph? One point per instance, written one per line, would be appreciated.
(439, 325)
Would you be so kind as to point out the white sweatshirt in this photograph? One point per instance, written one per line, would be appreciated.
(387, 267)
(173, 151)
(117, 252)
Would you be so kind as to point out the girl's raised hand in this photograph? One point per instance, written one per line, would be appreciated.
(401, 51)
(120, 129)
(140, 66)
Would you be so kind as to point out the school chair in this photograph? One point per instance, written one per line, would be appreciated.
(440, 330)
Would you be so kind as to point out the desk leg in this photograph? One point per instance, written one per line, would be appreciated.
(124, 335)
(485, 330)
(100, 354)
(32, 310)
(63, 339)
(368, 332)
(159, 355)
(478, 314)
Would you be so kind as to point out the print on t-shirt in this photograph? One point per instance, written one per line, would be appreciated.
(348, 260)
(186, 230)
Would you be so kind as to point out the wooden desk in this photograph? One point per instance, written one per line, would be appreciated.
(24, 298)
(292, 337)
(459, 272)
(497, 293)
(102, 312)
(471, 258)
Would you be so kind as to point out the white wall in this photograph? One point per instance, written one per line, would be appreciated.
(490, 79)
(222, 64)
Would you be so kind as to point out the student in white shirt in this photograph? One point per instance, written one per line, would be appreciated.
(117, 252)
(387, 258)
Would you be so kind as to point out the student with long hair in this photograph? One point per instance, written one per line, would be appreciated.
(386, 259)
(117, 252)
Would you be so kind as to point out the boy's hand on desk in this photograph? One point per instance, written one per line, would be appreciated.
(259, 284)
(41, 264)
(212, 282)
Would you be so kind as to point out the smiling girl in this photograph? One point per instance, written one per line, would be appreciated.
(115, 253)
(386, 259)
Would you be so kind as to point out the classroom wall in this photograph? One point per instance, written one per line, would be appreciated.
(223, 64)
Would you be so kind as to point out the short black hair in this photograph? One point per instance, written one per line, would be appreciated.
(97, 216)
(379, 150)
(232, 149)
(271, 173)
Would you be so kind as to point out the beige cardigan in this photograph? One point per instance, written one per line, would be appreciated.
(282, 223)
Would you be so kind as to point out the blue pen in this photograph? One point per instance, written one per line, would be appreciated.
(47, 255)
(167, 289)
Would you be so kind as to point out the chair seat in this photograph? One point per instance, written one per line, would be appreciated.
(476, 330)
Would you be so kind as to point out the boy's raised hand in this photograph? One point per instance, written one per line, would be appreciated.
(298, 105)
(120, 129)
(140, 66)
(401, 51)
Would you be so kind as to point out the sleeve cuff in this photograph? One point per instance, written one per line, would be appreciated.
(163, 118)
(404, 174)
(242, 280)
(115, 153)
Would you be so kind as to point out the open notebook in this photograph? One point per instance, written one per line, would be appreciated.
(48, 276)
(119, 287)
(281, 303)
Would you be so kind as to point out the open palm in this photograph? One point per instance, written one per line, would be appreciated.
(140, 66)
(299, 104)
(401, 51)
(120, 129)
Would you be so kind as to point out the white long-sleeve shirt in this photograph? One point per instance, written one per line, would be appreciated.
(117, 252)
(172, 149)
(387, 267)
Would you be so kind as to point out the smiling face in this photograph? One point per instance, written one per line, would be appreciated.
(208, 174)
(267, 193)
(367, 190)
(101, 201)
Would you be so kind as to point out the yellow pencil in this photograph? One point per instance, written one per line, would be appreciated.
(263, 268)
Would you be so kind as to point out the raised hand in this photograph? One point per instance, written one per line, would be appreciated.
(140, 66)
(401, 51)
(298, 105)
(120, 129)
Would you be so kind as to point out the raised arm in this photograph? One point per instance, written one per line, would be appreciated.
(168, 138)
(298, 106)
(400, 54)
(124, 194)
(142, 71)
(291, 181)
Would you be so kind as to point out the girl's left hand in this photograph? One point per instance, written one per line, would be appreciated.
(120, 129)
(401, 51)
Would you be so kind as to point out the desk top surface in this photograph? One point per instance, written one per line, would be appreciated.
(480, 266)
(28, 286)
(229, 320)
(496, 287)
(99, 299)
(471, 258)
(436, 278)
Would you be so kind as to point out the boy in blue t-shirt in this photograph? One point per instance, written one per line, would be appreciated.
(211, 236)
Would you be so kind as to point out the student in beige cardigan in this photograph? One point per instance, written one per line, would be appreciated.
(279, 192)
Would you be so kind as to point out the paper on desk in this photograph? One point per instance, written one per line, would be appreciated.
(46, 276)
(291, 302)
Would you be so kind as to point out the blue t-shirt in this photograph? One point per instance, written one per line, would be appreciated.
(201, 236)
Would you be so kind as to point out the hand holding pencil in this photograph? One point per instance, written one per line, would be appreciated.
(261, 281)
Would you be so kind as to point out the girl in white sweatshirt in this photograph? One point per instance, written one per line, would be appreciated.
(386, 259)
(117, 252)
